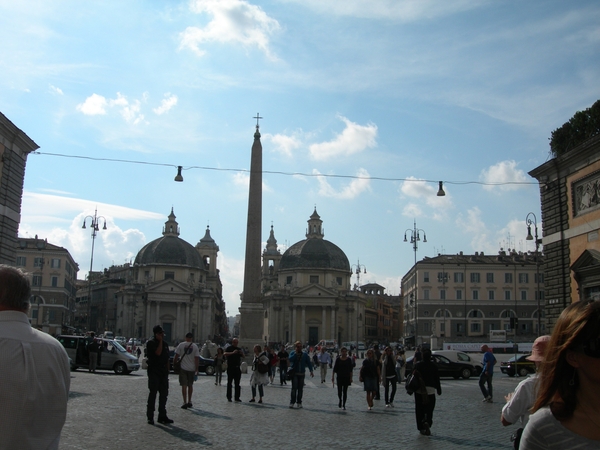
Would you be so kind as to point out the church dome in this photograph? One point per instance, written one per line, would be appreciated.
(314, 254)
(170, 249)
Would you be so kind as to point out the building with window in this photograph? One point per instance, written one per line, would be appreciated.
(570, 197)
(307, 293)
(461, 298)
(53, 284)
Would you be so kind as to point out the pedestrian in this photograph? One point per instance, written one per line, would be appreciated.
(34, 376)
(299, 361)
(283, 357)
(158, 376)
(370, 376)
(260, 372)
(566, 413)
(93, 349)
(427, 373)
(418, 356)
(377, 355)
(272, 362)
(139, 352)
(343, 368)
(219, 360)
(188, 355)
(234, 355)
(324, 362)
(388, 376)
(487, 373)
(519, 402)
(401, 366)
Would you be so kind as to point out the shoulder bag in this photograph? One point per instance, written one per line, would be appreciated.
(177, 365)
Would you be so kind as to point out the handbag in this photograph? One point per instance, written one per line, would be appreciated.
(413, 383)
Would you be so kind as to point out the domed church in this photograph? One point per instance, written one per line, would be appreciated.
(176, 285)
(307, 292)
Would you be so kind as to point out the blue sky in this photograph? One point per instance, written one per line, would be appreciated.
(410, 92)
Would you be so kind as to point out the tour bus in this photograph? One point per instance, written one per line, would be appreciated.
(111, 357)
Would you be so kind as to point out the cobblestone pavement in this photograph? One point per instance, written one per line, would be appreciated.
(108, 411)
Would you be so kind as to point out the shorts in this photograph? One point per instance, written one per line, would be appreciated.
(186, 378)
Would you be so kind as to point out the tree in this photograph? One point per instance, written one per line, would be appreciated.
(581, 127)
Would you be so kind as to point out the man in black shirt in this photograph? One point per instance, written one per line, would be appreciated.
(283, 356)
(234, 356)
(158, 376)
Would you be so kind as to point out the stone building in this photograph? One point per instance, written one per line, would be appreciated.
(15, 145)
(381, 324)
(53, 284)
(306, 291)
(478, 293)
(570, 197)
(171, 283)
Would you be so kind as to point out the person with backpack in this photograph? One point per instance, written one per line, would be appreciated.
(260, 372)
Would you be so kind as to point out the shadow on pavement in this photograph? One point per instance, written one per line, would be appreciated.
(185, 434)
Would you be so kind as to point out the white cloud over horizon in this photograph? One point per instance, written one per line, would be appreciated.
(504, 172)
(353, 139)
(350, 191)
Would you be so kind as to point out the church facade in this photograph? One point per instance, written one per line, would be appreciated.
(307, 293)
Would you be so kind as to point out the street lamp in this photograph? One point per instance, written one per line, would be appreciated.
(537, 262)
(356, 268)
(94, 225)
(415, 237)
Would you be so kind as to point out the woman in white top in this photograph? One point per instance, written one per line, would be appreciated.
(259, 378)
(567, 408)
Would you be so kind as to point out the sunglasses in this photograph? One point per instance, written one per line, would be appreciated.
(592, 348)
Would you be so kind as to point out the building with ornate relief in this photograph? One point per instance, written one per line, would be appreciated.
(307, 292)
(171, 283)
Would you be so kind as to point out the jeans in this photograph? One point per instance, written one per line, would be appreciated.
(483, 379)
(389, 381)
(261, 392)
(297, 388)
(157, 383)
(234, 374)
(282, 373)
(323, 372)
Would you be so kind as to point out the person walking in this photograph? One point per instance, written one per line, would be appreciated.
(260, 372)
(388, 376)
(377, 356)
(566, 412)
(343, 367)
(370, 376)
(487, 373)
(427, 372)
(219, 360)
(324, 362)
(234, 355)
(188, 354)
(401, 365)
(299, 361)
(519, 402)
(158, 376)
(272, 362)
(283, 357)
(34, 375)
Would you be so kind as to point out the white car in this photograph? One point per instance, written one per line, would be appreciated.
(457, 356)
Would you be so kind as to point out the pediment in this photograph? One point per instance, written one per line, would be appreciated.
(314, 290)
(588, 260)
(169, 287)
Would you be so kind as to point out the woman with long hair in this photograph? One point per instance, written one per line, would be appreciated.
(370, 376)
(343, 367)
(219, 360)
(567, 408)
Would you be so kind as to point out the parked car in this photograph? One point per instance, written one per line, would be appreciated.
(521, 367)
(447, 368)
(205, 365)
(457, 356)
(112, 357)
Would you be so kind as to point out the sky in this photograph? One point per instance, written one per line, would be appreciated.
(365, 107)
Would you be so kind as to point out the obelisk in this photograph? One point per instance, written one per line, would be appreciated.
(251, 309)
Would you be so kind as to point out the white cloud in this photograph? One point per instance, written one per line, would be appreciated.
(425, 191)
(242, 180)
(348, 192)
(167, 103)
(56, 90)
(284, 144)
(233, 21)
(94, 105)
(354, 139)
(504, 172)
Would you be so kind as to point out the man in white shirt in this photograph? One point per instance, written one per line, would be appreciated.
(35, 376)
(324, 361)
(521, 400)
(187, 352)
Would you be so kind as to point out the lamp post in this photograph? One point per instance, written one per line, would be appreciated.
(94, 226)
(537, 241)
(415, 237)
(356, 268)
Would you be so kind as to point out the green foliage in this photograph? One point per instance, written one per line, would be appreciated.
(581, 127)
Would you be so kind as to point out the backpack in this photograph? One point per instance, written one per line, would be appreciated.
(261, 367)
